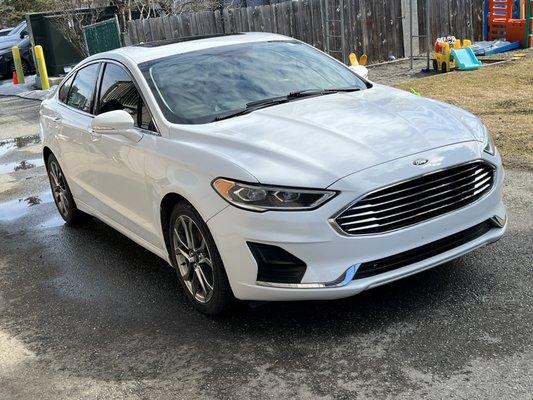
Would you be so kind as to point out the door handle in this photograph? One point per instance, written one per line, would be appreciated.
(95, 135)
(56, 119)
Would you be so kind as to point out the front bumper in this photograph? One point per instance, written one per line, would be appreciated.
(333, 258)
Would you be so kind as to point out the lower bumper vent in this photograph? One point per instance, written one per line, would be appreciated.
(423, 252)
(276, 265)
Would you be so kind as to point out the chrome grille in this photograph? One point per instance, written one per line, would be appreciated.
(418, 199)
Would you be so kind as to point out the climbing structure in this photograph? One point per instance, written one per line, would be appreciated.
(500, 12)
(502, 25)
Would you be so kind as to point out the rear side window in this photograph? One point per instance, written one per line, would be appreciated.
(82, 90)
(63, 92)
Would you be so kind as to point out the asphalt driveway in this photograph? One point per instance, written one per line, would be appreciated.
(86, 313)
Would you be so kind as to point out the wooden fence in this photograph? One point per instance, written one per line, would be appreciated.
(460, 18)
(374, 27)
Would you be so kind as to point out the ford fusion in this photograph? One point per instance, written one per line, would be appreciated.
(262, 169)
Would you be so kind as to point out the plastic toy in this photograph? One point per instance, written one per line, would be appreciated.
(465, 59)
(450, 54)
(353, 59)
(358, 66)
(485, 48)
(509, 21)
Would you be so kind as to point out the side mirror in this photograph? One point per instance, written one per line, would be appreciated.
(117, 122)
(23, 34)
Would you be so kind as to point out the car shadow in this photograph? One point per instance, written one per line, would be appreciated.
(90, 294)
(400, 301)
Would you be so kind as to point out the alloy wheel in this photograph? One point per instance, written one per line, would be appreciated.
(59, 188)
(193, 258)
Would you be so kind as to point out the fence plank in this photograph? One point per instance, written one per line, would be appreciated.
(374, 27)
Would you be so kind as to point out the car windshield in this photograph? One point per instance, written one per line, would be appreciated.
(202, 86)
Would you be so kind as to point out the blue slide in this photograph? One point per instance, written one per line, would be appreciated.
(465, 59)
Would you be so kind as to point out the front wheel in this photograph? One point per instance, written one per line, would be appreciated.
(197, 261)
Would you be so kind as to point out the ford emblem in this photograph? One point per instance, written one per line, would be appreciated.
(420, 161)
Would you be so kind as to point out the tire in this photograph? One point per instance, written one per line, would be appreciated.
(66, 206)
(435, 65)
(195, 257)
(443, 68)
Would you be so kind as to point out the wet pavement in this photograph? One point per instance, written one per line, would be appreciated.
(86, 313)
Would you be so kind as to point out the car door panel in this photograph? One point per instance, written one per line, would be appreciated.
(77, 98)
(73, 139)
(119, 164)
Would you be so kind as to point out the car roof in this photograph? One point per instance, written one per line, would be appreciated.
(153, 50)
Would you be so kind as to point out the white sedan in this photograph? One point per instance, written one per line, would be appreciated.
(262, 169)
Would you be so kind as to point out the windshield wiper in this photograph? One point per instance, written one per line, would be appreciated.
(258, 104)
(319, 92)
(252, 106)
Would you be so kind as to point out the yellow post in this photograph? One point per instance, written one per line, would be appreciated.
(18, 63)
(43, 73)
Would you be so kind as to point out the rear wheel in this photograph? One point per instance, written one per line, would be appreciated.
(443, 68)
(197, 261)
(62, 195)
(435, 65)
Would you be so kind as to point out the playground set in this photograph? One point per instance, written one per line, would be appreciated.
(450, 53)
(508, 26)
(509, 20)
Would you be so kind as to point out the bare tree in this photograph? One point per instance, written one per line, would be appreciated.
(181, 6)
(74, 15)
(154, 8)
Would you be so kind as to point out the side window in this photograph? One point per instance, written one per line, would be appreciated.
(145, 118)
(118, 92)
(63, 91)
(82, 90)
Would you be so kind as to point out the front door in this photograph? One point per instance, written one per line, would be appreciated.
(119, 163)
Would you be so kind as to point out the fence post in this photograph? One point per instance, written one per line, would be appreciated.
(39, 56)
(18, 64)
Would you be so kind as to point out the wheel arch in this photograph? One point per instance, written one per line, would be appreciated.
(167, 204)
(205, 205)
(46, 154)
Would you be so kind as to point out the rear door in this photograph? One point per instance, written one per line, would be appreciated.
(74, 116)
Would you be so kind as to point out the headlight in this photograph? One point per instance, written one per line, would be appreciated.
(489, 147)
(262, 198)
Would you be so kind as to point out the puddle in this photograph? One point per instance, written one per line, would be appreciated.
(53, 222)
(14, 209)
(18, 143)
(22, 165)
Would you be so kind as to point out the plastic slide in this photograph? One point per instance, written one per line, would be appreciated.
(486, 48)
(465, 59)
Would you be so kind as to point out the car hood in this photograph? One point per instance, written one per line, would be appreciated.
(316, 141)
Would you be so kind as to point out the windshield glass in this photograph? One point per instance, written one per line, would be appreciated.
(198, 87)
